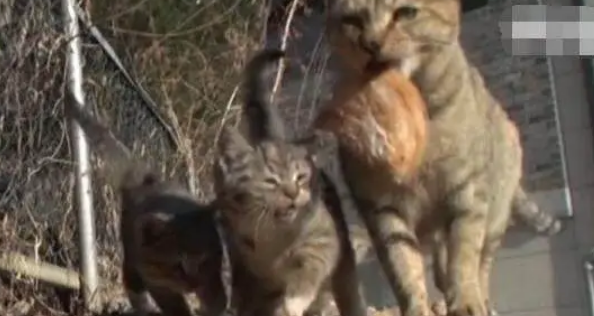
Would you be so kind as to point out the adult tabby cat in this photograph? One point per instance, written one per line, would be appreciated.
(288, 241)
(468, 186)
(170, 241)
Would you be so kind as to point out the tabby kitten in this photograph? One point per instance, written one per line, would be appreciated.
(287, 236)
(170, 241)
(468, 185)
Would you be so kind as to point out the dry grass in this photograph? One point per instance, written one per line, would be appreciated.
(187, 54)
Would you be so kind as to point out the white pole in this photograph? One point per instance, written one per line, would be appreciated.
(83, 195)
(589, 271)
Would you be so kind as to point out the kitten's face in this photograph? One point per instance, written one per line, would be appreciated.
(391, 32)
(268, 184)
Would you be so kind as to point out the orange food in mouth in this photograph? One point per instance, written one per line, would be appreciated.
(380, 119)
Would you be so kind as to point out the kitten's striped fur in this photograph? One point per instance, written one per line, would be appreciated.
(286, 227)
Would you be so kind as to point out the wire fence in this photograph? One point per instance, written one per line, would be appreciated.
(187, 54)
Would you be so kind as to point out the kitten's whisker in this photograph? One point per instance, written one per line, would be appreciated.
(261, 217)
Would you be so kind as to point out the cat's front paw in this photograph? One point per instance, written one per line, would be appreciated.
(467, 304)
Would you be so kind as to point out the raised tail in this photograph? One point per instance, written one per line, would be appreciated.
(527, 212)
(264, 120)
(119, 164)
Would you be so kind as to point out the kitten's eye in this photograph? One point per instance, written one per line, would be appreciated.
(302, 177)
(243, 178)
(405, 13)
(352, 20)
(271, 181)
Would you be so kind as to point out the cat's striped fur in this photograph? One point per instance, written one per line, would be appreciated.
(468, 186)
(288, 240)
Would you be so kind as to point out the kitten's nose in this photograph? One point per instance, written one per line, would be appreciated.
(370, 45)
(291, 191)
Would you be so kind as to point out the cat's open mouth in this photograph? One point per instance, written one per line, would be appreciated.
(286, 215)
(377, 65)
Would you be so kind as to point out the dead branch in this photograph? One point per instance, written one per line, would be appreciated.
(14, 262)
(184, 145)
(284, 40)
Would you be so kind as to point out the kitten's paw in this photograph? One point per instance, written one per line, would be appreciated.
(295, 306)
(467, 305)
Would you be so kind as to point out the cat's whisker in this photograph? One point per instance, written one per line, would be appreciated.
(259, 221)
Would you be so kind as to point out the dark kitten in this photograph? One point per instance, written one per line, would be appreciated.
(170, 241)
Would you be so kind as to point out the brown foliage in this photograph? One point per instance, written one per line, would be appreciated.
(188, 56)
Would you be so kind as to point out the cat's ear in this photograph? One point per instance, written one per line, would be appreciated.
(153, 227)
(231, 146)
(322, 147)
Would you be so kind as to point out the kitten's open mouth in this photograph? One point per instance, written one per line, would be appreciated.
(377, 66)
(285, 216)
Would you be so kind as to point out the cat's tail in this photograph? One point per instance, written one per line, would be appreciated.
(122, 169)
(360, 241)
(527, 212)
(263, 119)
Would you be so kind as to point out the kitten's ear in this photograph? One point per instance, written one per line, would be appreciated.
(153, 226)
(231, 146)
(322, 146)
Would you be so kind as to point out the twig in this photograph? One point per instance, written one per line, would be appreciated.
(283, 46)
(226, 113)
(17, 263)
(185, 145)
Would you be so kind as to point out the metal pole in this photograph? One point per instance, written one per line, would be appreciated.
(590, 285)
(589, 271)
(83, 195)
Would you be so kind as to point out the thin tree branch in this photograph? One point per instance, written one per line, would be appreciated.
(285, 38)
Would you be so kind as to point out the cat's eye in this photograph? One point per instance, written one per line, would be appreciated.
(352, 20)
(271, 181)
(405, 13)
(243, 178)
(301, 178)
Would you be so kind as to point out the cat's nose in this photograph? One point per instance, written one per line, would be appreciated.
(370, 45)
(291, 191)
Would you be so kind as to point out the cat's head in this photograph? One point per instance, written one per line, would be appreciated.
(391, 32)
(271, 181)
